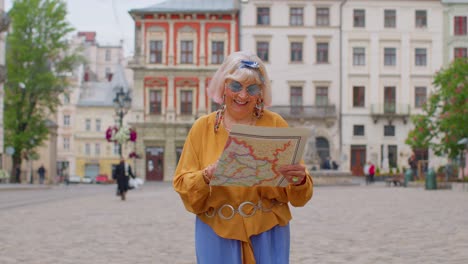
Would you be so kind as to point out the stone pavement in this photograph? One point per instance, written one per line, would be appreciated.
(353, 224)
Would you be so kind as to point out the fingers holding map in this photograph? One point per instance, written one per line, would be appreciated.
(253, 155)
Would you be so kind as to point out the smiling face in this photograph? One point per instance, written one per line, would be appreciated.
(241, 98)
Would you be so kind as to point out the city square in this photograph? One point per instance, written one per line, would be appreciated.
(341, 224)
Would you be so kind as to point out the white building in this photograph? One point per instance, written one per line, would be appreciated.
(391, 50)
(296, 40)
(455, 29)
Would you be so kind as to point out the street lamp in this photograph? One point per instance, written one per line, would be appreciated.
(122, 103)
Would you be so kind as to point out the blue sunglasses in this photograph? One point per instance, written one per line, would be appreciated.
(252, 90)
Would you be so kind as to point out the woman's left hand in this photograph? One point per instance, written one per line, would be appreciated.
(294, 174)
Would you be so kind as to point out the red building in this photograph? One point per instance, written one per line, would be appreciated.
(179, 44)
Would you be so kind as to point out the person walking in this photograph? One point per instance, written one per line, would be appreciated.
(366, 173)
(41, 171)
(371, 171)
(251, 235)
(122, 180)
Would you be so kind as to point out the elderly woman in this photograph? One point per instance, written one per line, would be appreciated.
(242, 87)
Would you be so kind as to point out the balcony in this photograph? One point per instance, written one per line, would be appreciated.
(390, 111)
(326, 112)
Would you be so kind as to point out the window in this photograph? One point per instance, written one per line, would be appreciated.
(98, 125)
(421, 18)
(393, 156)
(155, 102)
(296, 51)
(389, 131)
(321, 96)
(358, 96)
(217, 52)
(116, 148)
(296, 16)
(460, 52)
(359, 18)
(323, 16)
(322, 52)
(358, 130)
(156, 51)
(459, 25)
(262, 50)
(186, 52)
(87, 149)
(359, 56)
(263, 16)
(420, 96)
(88, 124)
(390, 18)
(389, 99)
(66, 143)
(108, 54)
(296, 99)
(186, 102)
(66, 98)
(66, 120)
(97, 149)
(420, 58)
(390, 56)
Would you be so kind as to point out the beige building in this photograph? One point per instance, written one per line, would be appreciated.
(87, 109)
(455, 29)
(4, 24)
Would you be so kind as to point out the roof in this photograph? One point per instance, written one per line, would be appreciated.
(102, 94)
(190, 6)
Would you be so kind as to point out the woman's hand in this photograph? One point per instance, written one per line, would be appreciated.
(295, 174)
(208, 172)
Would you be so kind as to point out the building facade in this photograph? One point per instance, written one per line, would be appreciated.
(391, 50)
(297, 40)
(178, 47)
(455, 29)
(87, 109)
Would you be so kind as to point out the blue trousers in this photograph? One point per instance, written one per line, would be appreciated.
(270, 247)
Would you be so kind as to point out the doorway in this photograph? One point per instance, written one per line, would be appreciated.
(358, 159)
(154, 163)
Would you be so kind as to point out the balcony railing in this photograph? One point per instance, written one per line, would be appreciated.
(305, 112)
(390, 111)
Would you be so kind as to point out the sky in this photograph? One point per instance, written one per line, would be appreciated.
(108, 18)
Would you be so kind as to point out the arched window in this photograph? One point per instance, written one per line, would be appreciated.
(323, 148)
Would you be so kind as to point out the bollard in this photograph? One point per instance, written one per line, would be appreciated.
(431, 182)
(408, 176)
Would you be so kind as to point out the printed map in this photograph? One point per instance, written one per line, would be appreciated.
(253, 155)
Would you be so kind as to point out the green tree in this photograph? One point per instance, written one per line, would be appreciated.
(38, 58)
(445, 118)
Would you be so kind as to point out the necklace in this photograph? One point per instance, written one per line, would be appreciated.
(251, 122)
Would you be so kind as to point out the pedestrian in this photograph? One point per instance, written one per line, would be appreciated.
(18, 174)
(41, 171)
(122, 180)
(327, 164)
(242, 88)
(366, 173)
(413, 164)
(371, 171)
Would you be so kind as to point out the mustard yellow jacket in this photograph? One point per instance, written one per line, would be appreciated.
(203, 147)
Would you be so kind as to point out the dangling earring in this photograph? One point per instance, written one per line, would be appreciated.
(258, 110)
(220, 114)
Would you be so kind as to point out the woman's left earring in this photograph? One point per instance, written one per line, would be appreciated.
(258, 110)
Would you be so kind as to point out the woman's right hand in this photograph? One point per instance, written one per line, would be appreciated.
(208, 172)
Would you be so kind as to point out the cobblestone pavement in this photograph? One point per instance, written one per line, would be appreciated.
(358, 224)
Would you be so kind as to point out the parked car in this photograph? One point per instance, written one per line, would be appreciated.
(102, 178)
(74, 179)
(86, 179)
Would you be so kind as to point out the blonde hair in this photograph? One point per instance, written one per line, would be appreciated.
(231, 69)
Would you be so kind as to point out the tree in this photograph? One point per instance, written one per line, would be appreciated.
(445, 118)
(38, 57)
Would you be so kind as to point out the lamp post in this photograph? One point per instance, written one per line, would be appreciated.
(122, 103)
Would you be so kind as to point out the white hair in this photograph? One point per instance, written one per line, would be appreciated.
(231, 69)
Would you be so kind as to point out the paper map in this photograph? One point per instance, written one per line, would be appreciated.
(252, 155)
